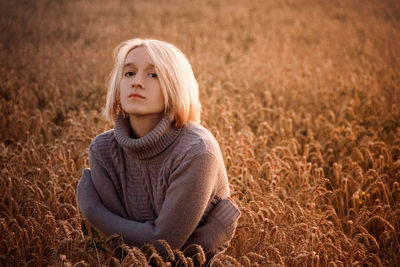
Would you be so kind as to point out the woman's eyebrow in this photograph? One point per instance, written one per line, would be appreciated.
(132, 64)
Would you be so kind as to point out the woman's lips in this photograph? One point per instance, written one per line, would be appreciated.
(136, 96)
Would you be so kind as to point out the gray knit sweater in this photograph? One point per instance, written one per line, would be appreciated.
(170, 184)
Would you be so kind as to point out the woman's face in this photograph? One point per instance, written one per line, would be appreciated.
(140, 90)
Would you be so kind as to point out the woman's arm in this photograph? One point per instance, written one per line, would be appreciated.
(218, 229)
(191, 187)
(104, 179)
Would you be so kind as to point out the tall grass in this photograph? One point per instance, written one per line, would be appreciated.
(303, 97)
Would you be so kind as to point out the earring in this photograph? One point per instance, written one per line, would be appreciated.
(124, 113)
(120, 110)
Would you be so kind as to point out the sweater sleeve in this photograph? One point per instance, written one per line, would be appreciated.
(191, 186)
(213, 236)
(217, 231)
(102, 178)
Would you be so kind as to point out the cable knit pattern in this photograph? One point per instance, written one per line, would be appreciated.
(170, 184)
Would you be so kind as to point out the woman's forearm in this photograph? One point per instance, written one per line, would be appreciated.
(102, 218)
(91, 206)
(177, 220)
(133, 232)
(217, 231)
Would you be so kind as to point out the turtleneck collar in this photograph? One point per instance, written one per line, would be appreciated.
(149, 145)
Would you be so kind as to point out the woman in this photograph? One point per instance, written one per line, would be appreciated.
(158, 174)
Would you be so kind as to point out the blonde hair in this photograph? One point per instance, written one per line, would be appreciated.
(178, 84)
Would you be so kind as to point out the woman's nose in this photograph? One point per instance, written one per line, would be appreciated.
(137, 81)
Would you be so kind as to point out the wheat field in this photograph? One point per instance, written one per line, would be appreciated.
(303, 97)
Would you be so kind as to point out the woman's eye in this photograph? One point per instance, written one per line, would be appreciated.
(129, 73)
(153, 75)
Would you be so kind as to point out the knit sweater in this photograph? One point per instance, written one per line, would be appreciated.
(170, 184)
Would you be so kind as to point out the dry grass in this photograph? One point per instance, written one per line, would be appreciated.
(303, 97)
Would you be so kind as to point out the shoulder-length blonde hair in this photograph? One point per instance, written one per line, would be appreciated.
(178, 84)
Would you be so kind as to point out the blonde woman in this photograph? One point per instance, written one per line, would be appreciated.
(158, 174)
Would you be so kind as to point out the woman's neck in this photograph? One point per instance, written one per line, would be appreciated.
(143, 124)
